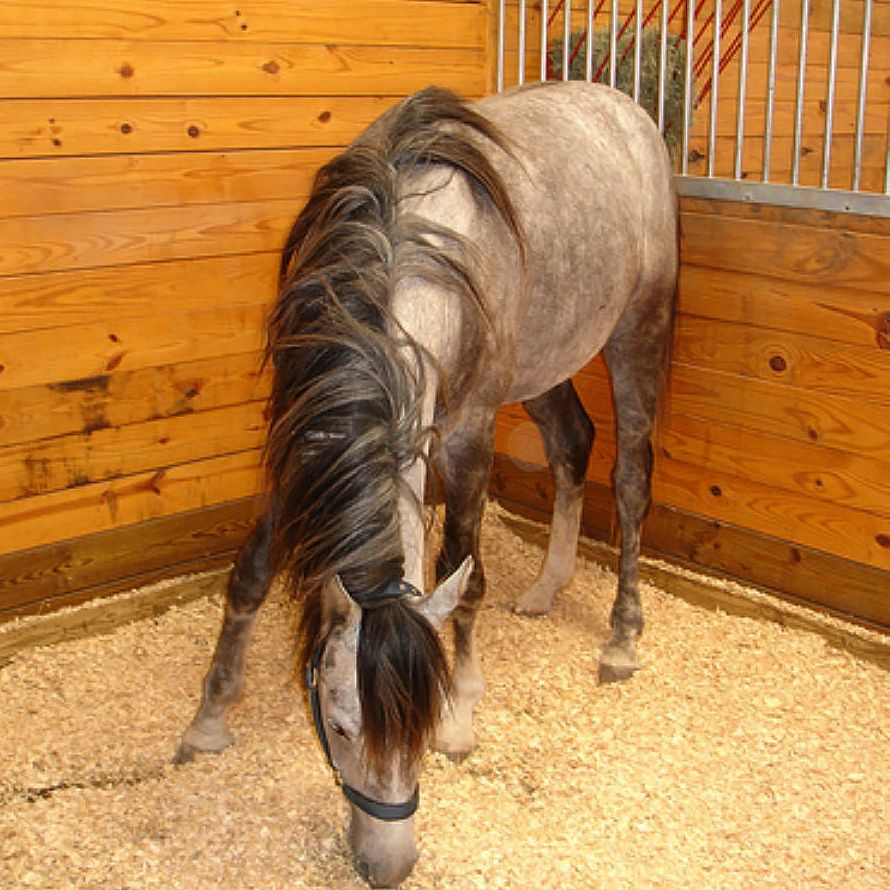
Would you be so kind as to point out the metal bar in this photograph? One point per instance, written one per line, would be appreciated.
(588, 50)
(830, 94)
(566, 38)
(638, 41)
(863, 87)
(520, 47)
(743, 90)
(662, 64)
(689, 89)
(543, 39)
(770, 91)
(801, 81)
(613, 46)
(833, 200)
(715, 76)
(501, 26)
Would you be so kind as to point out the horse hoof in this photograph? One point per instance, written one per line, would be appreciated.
(184, 754)
(533, 605)
(615, 673)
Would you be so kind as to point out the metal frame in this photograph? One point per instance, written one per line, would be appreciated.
(736, 188)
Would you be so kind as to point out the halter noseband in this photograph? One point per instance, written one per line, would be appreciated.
(387, 812)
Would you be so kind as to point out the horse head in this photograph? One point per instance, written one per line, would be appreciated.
(377, 683)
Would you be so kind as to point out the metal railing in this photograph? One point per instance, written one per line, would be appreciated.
(751, 162)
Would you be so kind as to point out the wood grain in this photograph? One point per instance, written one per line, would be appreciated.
(46, 519)
(72, 461)
(72, 571)
(112, 400)
(120, 237)
(795, 360)
(72, 297)
(99, 349)
(378, 22)
(41, 186)
(50, 128)
(861, 318)
(85, 68)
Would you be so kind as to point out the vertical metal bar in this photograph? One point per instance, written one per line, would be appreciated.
(770, 92)
(501, 26)
(613, 46)
(662, 64)
(715, 76)
(863, 88)
(829, 96)
(520, 74)
(689, 90)
(544, 14)
(566, 37)
(588, 50)
(638, 41)
(801, 81)
(743, 90)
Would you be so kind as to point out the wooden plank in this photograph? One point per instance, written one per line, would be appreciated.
(46, 519)
(96, 350)
(795, 414)
(106, 614)
(87, 68)
(796, 360)
(796, 253)
(48, 465)
(843, 478)
(43, 186)
(111, 400)
(788, 216)
(822, 525)
(77, 241)
(379, 22)
(835, 313)
(52, 128)
(86, 296)
(47, 578)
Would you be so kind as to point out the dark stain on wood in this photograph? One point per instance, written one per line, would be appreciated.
(115, 361)
(126, 71)
(271, 67)
(97, 385)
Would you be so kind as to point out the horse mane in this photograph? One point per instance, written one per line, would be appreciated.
(346, 392)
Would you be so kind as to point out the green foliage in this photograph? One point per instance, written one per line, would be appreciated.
(650, 48)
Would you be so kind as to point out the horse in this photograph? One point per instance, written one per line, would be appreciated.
(454, 258)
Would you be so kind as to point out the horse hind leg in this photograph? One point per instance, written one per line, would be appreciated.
(247, 589)
(635, 355)
(568, 435)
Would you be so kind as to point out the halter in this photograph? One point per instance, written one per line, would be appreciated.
(387, 812)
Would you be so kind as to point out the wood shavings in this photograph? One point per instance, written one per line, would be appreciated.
(743, 754)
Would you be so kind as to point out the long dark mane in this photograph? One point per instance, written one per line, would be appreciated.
(346, 393)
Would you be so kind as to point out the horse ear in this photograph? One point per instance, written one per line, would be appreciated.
(340, 606)
(439, 605)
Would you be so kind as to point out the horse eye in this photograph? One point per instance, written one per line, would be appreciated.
(337, 728)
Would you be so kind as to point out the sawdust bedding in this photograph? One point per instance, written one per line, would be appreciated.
(742, 755)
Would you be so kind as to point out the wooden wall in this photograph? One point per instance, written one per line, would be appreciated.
(773, 458)
(152, 156)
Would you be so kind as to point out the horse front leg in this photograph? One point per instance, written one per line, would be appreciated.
(247, 588)
(465, 464)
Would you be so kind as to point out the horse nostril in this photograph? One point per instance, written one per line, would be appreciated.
(363, 867)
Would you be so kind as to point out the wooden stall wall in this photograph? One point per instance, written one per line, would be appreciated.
(772, 460)
(152, 156)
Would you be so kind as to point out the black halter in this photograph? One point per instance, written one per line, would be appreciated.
(387, 812)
